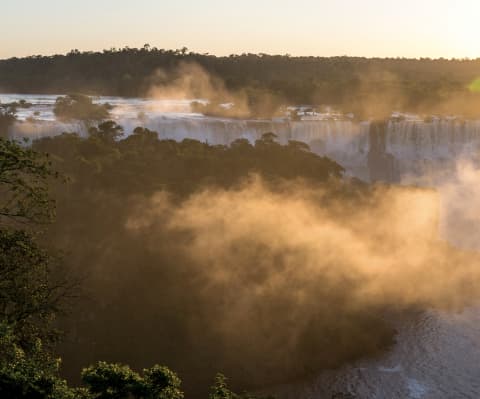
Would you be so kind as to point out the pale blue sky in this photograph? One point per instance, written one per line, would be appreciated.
(410, 28)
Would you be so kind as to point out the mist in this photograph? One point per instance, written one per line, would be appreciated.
(290, 277)
(209, 246)
(386, 245)
(460, 197)
(191, 81)
(371, 93)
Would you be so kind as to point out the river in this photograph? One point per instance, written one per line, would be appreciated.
(436, 356)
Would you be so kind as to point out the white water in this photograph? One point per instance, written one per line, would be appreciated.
(419, 151)
(437, 354)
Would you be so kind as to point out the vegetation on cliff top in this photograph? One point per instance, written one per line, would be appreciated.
(354, 84)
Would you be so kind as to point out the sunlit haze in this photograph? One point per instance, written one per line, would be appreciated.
(274, 197)
(409, 28)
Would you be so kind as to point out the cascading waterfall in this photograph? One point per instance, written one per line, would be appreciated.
(387, 151)
(344, 141)
(404, 148)
(428, 150)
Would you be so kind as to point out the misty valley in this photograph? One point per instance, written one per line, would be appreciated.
(231, 241)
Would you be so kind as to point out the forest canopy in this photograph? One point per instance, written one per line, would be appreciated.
(259, 260)
(354, 84)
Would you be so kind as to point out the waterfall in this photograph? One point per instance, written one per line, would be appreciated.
(393, 150)
(430, 148)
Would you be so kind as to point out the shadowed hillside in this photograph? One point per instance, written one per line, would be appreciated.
(351, 83)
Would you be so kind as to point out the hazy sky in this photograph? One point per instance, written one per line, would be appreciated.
(410, 28)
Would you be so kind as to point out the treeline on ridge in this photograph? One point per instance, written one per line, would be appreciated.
(420, 85)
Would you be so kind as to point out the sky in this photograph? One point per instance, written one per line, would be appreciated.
(370, 28)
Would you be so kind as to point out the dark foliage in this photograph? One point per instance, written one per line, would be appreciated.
(24, 190)
(78, 106)
(117, 381)
(7, 118)
(126, 166)
(150, 280)
(33, 293)
(346, 82)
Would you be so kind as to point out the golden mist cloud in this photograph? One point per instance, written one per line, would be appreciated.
(385, 247)
(191, 81)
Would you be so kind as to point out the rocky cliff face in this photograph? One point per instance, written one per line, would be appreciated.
(382, 165)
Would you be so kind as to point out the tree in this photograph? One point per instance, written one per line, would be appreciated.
(32, 289)
(118, 381)
(24, 175)
(112, 381)
(32, 375)
(162, 383)
(107, 131)
(298, 146)
(267, 139)
(78, 106)
(241, 145)
(220, 389)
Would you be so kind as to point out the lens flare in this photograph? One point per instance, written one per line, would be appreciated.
(474, 87)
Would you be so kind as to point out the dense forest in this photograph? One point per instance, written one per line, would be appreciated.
(145, 251)
(96, 182)
(110, 181)
(111, 269)
(361, 85)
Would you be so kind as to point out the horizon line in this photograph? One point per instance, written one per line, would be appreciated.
(188, 51)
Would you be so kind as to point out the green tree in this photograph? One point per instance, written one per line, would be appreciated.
(78, 106)
(162, 383)
(220, 389)
(267, 139)
(32, 374)
(107, 131)
(112, 381)
(32, 289)
(24, 191)
(118, 381)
